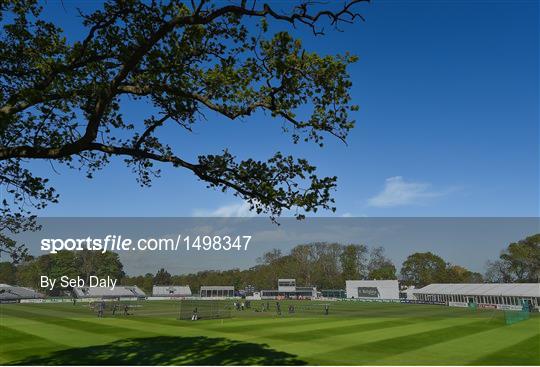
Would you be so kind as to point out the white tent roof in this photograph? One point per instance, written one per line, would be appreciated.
(8, 292)
(104, 292)
(484, 289)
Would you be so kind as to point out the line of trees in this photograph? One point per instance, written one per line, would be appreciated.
(325, 265)
(519, 262)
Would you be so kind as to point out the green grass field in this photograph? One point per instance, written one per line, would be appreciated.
(352, 334)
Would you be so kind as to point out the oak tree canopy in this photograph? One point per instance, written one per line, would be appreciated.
(62, 100)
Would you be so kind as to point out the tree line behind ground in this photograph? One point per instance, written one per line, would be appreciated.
(324, 265)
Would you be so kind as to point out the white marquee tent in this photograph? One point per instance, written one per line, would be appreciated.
(507, 294)
(9, 293)
(104, 292)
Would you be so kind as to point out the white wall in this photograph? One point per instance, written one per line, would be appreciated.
(256, 297)
(410, 292)
(385, 289)
(285, 288)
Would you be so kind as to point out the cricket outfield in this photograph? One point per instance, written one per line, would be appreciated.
(353, 333)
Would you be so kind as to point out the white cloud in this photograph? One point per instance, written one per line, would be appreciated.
(350, 215)
(398, 192)
(230, 210)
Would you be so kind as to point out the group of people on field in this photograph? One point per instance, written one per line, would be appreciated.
(100, 307)
(265, 307)
(241, 306)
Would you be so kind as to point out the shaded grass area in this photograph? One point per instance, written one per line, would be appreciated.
(353, 334)
(163, 350)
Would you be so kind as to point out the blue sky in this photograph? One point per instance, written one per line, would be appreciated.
(448, 122)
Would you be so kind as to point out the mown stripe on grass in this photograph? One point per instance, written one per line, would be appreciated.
(280, 329)
(134, 325)
(337, 346)
(325, 332)
(282, 333)
(228, 324)
(42, 310)
(247, 332)
(101, 327)
(217, 328)
(11, 335)
(523, 353)
(233, 326)
(57, 334)
(373, 352)
(16, 339)
(464, 350)
(280, 323)
(16, 343)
